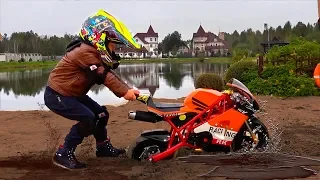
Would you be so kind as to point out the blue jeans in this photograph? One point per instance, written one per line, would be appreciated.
(92, 118)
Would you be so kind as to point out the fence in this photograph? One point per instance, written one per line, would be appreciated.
(302, 64)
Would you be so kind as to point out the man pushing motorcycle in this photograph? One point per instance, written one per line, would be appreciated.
(90, 59)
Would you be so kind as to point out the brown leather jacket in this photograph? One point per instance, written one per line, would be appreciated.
(69, 77)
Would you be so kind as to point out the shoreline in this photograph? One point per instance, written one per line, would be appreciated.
(7, 66)
(45, 109)
(167, 100)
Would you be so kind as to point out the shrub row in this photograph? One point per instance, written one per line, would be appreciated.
(275, 80)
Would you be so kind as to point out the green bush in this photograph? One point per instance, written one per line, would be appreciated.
(284, 86)
(239, 54)
(298, 47)
(279, 80)
(275, 80)
(209, 81)
(248, 76)
(278, 71)
(282, 81)
(244, 70)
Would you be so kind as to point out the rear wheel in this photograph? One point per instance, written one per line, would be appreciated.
(243, 141)
(146, 148)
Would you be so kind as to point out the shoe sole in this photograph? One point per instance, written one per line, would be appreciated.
(64, 167)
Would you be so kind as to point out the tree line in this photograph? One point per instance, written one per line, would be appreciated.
(251, 40)
(31, 42)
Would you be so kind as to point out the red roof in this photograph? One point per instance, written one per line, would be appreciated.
(209, 35)
(150, 33)
(200, 32)
(141, 37)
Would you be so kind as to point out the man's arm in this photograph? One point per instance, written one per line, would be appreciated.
(118, 87)
(115, 74)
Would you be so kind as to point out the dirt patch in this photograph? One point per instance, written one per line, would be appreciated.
(29, 139)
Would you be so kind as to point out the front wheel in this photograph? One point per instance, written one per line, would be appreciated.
(243, 141)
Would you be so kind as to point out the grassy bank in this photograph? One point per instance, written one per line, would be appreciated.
(26, 65)
(32, 65)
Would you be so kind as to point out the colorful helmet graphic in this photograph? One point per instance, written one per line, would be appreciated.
(102, 28)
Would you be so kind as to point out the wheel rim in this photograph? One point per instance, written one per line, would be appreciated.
(248, 144)
(148, 152)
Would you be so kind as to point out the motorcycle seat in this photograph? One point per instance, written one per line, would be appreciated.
(167, 107)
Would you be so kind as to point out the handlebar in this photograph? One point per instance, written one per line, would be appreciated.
(242, 101)
(143, 98)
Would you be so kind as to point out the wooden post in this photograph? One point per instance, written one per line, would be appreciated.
(260, 64)
(319, 9)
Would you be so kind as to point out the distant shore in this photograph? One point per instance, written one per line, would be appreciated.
(6, 66)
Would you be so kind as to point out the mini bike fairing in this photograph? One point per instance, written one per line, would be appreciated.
(207, 119)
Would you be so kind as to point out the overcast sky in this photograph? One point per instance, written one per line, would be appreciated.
(60, 16)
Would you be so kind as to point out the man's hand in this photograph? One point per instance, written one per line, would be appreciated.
(131, 94)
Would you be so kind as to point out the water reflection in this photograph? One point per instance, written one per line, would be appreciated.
(24, 82)
(169, 80)
(147, 76)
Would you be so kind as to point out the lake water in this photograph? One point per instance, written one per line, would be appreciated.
(24, 89)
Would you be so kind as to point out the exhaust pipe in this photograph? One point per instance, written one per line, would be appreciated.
(132, 115)
(144, 116)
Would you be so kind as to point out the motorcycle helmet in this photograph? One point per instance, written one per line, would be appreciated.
(101, 29)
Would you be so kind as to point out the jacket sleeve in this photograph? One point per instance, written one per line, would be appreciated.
(111, 71)
(115, 85)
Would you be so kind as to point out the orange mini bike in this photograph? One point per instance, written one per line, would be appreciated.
(207, 119)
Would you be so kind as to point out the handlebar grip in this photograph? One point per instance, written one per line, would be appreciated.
(144, 116)
(142, 98)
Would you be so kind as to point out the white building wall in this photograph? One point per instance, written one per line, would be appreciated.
(7, 57)
(3, 58)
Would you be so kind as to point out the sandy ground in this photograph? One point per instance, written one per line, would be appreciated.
(29, 138)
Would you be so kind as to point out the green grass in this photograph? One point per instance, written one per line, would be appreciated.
(24, 65)
(5, 66)
(14, 69)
